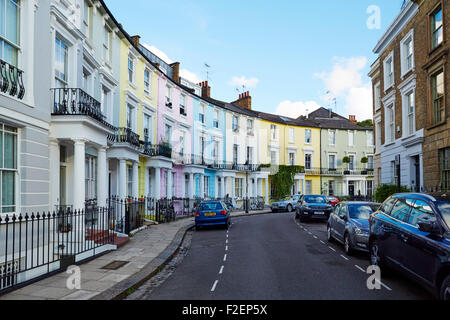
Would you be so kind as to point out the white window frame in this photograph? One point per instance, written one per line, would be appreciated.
(91, 177)
(148, 85)
(131, 58)
(409, 38)
(107, 47)
(368, 162)
(273, 132)
(377, 96)
(291, 135)
(330, 131)
(289, 158)
(183, 104)
(408, 87)
(389, 80)
(351, 138)
(311, 161)
(334, 166)
(370, 139)
(352, 163)
(16, 198)
(216, 119)
(310, 136)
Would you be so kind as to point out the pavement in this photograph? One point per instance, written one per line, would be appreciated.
(145, 255)
(274, 257)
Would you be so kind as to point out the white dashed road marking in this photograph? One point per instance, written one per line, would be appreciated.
(344, 257)
(359, 268)
(332, 248)
(226, 248)
(315, 237)
(225, 257)
(322, 242)
(214, 285)
(384, 285)
(221, 270)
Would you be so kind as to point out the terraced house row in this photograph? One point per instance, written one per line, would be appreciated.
(87, 112)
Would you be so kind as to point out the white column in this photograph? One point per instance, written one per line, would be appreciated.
(169, 184)
(122, 179)
(260, 191)
(202, 186)
(101, 177)
(183, 186)
(225, 190)
(267, 192)
(79, 192)
(233, 189)
(191, 191)
(157, 186)
(54, 174)
(147, 182)
(107, 179)
(135, 180)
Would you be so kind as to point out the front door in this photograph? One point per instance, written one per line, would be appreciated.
(351, 188)
(62, 186)
(417, 171)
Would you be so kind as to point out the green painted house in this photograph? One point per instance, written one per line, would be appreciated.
(347, 152)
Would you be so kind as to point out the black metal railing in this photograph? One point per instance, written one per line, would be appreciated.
(154, 150)
(33, 245)
(127, 135)
(126, 214)
(11, 80)
(74, 101)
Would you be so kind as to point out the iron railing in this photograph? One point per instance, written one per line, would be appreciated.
(154, 150)
(75, 101)
(11, 80)
(32, 245)
(126, 135)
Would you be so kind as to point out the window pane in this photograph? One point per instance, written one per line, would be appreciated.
(400, 210)
(2, 18)
(8, 191)
(12, 19)
(10, 151)
(420, 212)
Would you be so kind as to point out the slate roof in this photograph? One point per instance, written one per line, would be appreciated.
(335, 121)
(287, 120)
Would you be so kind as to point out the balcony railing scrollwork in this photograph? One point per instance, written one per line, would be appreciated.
(11, 80)
(74, 101)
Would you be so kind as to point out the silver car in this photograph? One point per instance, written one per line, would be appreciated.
(287, 204)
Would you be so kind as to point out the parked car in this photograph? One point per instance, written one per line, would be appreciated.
(313, 207)
(349, 224)
(410, 232)
(333, 200)
(287, 204)
(211, 213)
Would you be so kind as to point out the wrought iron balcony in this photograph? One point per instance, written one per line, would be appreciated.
(11, 80)
(223, 165)
(154, 150)
(74, 101)
(126, 135)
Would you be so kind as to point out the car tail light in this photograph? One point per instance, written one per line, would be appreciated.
(223, 212)
(197, 214)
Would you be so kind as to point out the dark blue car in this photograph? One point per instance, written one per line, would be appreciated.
(313, 207)
(410, 232)
(212, 213)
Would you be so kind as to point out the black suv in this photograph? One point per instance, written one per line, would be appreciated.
(410, 232)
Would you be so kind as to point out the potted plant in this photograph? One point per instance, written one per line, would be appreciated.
(346, 160)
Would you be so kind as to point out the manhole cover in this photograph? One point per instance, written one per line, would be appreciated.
(115, 265)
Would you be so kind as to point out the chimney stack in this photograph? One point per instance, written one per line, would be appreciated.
(244, 101)
(176, 72)
(206, 89)
(352, 119)
(136, 40)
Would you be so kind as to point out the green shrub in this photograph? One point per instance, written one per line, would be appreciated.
(384, 191)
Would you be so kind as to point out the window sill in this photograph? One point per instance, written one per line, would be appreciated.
(131, 84)
(431, 127)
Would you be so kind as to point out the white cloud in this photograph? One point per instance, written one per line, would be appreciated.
(345, 83)
(184, 73)
(191, 76)
(161, 54)
(296, 109)
(243, 81)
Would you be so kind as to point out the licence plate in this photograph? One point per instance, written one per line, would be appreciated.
(319, 213)
(209, 214)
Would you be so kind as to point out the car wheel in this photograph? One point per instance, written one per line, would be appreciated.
(296, 215)
(329, 236)
(347, 245)
(227, 226)
(289, 208)
(376, 257)
(445, 289)
(301, 218)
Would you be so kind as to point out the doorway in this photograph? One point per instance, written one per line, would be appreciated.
(416, 162)
(351, 188)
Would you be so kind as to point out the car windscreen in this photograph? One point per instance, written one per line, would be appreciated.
(444, 208)
(315, 199)
(361, 211)
(210, 206)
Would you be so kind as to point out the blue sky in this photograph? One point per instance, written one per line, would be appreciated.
(292, 55)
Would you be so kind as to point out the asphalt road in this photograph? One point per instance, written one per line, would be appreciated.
(275, 257)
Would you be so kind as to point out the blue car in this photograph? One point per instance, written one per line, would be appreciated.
(349, 224)
(212, 213)
(411, 233)
(311, 207)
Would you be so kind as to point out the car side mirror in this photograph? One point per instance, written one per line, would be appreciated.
(430, 227)
(343, 217)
